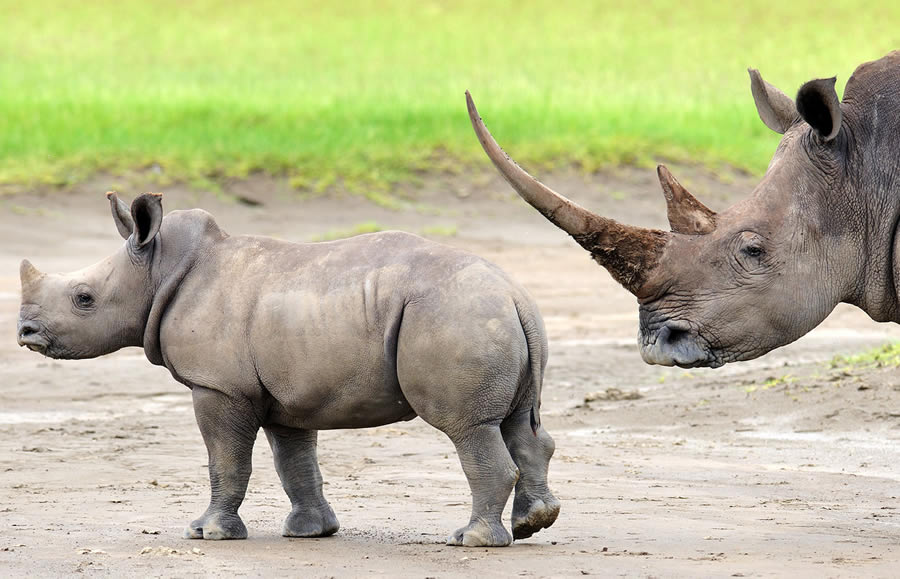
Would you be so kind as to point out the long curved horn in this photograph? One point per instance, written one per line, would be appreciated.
(628, 252)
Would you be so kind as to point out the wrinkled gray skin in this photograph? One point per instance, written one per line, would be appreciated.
(820, 229)
(295, 338)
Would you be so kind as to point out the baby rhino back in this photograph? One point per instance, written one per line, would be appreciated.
(318, 326)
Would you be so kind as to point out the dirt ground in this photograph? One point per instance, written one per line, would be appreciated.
(785, 466)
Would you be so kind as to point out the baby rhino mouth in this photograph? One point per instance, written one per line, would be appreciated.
(30, 335)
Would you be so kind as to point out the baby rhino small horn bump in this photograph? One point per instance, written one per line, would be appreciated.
(686, 214)
(28, 273)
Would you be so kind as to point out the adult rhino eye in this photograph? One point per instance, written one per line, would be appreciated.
(753, 251)
(84, 300)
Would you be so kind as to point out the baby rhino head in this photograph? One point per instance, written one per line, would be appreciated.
(101, 308)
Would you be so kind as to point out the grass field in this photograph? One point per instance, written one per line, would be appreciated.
(372, 92)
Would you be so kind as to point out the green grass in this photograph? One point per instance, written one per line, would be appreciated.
(358, 229)
(440, 231)
(374, 227)
(887, 355)
(772, 382)
(372, 92)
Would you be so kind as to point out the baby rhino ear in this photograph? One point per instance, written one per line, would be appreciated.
(139, 223)
(147, 214)
(121, 215)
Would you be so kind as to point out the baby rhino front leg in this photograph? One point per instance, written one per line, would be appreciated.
(298, 468)
(229, 426)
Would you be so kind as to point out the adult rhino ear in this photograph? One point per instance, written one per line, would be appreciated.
(775, 108)
(121, 215)
(818, 105)
(147, 214)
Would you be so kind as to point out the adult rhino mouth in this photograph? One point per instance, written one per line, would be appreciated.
(676, 343)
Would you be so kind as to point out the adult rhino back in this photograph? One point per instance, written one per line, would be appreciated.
(294, 338)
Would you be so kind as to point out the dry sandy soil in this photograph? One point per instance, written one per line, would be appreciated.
(782, 466)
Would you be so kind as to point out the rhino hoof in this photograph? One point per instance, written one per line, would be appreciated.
(540, 515)
(320, 522)
(481, 534)
(216, 527)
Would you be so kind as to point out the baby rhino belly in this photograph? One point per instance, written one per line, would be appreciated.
(349, 385)
(328, 358)
(349, 408)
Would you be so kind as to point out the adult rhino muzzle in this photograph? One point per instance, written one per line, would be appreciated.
(674, 343)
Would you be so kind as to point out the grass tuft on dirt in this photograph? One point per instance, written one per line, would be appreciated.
(358, 229)
(887, 355)
(372, 92)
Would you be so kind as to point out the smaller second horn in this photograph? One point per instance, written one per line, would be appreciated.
(686, 214)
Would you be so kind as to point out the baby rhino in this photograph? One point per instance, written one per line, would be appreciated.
(296, 338)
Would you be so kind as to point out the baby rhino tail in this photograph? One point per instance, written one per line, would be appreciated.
(536, 338)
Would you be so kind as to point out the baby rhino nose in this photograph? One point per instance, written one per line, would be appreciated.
(26, 329)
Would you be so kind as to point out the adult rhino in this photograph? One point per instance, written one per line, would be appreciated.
(821, 228)
(295, 338)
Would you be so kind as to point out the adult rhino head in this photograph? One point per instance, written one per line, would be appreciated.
(820, 228)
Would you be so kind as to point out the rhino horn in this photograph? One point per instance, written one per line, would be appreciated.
(28, 273)
(628, 252)
(686, 214)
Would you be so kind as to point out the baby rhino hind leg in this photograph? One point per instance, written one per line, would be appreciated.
(298, 468)
(491, 474)
(534, 507)
(462, 378)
